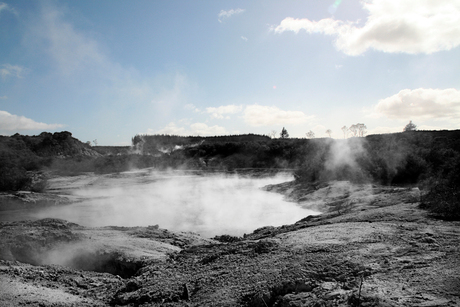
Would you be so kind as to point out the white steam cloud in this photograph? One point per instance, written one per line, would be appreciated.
(343, 153)
(209, 205)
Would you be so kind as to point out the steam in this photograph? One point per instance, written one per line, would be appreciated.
(343, 153)
(66, 254)
(138, 148)
(342, 160)
(377, 159)
(209, 205)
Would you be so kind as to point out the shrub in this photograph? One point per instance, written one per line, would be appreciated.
(13, 179)
(72, 166)
(443, 201)
(227, 238)
(443, 197)
(410, 171)
(40, 186)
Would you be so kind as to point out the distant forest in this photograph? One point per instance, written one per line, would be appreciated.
(426, 159)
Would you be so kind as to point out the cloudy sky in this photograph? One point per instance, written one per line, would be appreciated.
(109, 70)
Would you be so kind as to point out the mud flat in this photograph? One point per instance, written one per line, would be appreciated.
(372, 246)
(208, 203)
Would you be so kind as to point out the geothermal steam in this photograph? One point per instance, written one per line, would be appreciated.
(209, 205)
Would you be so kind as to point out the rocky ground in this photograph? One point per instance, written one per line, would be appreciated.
(372, 246)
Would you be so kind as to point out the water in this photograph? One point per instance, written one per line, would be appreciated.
(209, 205)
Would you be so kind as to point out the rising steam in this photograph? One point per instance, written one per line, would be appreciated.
(342, 161)
(209, 205)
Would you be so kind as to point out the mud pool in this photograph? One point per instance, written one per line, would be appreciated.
(212, 204)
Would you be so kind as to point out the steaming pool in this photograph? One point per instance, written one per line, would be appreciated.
(212, 204)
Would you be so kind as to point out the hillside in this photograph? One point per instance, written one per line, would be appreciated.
(20, 155)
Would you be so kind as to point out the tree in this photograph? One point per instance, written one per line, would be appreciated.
(362, 130)
(329, 132)
(354, 130)
(358, 130)
(272, 134)
(410, 127)
(345, 131)
(284, 134)
(95, 142)
(310, 134)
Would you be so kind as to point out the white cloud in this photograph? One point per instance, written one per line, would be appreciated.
(219, 112)
(384, 130)
(327, 26)
(171, 91)
(203, 129)
(10, 122)
(410, 26)
(256, 115)
(3, 6)
(421, 104)
(6, 7)
(194, 129)
(244, 38)
(227, 14)
(12, 70)
(430, 127)
(73, 51)
(4, 97)
(319, 130)
(395, 129)
(170, 129)
(191, 107)
(75, 54)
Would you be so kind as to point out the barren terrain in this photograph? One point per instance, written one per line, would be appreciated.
(372, 246)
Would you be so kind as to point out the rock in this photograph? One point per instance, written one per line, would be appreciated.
(336, 294)
(428, 240)
(329, 285)
(131, 286)
(186, 294)
(436, 303)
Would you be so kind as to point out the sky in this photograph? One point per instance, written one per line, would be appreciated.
(108, 70)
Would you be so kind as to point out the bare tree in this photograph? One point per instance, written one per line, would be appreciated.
(284, 134)
(345, 131)
(410, 127)
(358, 130)
(310, 134)
(354, 130)
(272, 134)
(95, 142)
(329, 132)
(362, 130)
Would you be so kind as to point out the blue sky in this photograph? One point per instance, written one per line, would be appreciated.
(108, 70)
